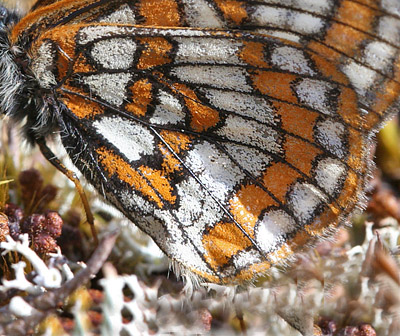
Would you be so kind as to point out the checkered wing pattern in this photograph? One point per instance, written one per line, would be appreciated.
(232, 132)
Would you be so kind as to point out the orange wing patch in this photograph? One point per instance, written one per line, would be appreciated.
(160, 13)
(114, 164)
(222, 242)
(159, 182)
(203, 117)
(278, 178)
(178, 142)
(253, 54)
(275, 85)
(141, 97)
(82, 107)
(155, 52)
(247, 205)
(233, 10)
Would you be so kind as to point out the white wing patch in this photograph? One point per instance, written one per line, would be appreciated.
(206, 50)
(200, 14)
(280, 17)
(168, 111)
(379, 55)
(360, 76)
(251, 133)
(291, 59)
(109, 86)
(92, 33)
(115, 53)
(214, 169)
(389, 29)
(251, 159)
(330, 135)
(42, 65)
(303, 200)
(328, 174)
(131, 139)
(274, 225)
(241, 103)
(122, 15)
(315, 94)
(231, 78)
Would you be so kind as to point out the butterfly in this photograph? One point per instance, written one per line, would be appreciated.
(234, 133)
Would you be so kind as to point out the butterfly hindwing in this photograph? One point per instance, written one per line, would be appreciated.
(187, 131)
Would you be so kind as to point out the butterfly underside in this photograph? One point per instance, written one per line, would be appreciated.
(234, 133)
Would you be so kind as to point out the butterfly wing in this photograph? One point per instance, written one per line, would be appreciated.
(227, 148)
(364, 46)
(231, 149)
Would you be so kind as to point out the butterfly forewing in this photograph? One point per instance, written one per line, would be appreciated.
(363, 46)
(232, 147)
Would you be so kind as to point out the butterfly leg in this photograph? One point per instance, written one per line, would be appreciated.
(49, 155)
